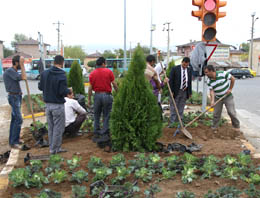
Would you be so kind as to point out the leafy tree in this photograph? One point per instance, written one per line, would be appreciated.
(92, 63)
(18, 38)
(120, 53)
(109, 54)
(169, 68)
(135, 118)
(245, 47)
(75, 51)
(76, 78)
(7, 52)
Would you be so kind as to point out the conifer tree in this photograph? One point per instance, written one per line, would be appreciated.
(135, 122)
(76, 78)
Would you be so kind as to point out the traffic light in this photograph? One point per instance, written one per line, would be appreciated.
(209, 14)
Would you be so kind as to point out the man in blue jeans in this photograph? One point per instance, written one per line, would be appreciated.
(53, 83)
(100, 81)
(12, 85)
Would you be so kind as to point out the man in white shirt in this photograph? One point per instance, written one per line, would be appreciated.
(74, 114)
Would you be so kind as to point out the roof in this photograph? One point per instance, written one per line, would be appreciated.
(95, 55)
(196, 42)
(228, 64)
(20, 54)
(237, 52)
(30, 42)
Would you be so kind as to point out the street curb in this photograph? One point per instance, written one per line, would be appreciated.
(35, 115)
(86, 84)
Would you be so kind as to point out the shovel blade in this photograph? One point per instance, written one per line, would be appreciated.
(186, 133)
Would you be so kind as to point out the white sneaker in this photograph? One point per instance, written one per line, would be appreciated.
(16, 146)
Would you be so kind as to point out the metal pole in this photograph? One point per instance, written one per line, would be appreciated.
(204, 95)
(251, 45)
(151, 41)
(58, 30)
(197, 84)
(124, 34)
(168, 45)
(41, 49)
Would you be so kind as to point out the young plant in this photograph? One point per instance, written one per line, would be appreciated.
(231, 173)
(189, 159)
(58, 176)
(225, 192)
(55, 162)
(244, 160)
(117, 160)
(252, 192)
(36, 165)
(152, 190)
(36, 180)
(154, 163)
(185, 194)
(171, 162)
(230, 160)
(144, 174)
(138, 163)
(102, 173)
(122, 173)
(19, 176)
(168, 174)
(252, 179)
(94, 163)
(21, 195)
(48, 193)
(79, 176)
(188, 174)
(74, 162)
(79, 191)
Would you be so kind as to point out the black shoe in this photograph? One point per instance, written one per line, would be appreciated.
(95, 138)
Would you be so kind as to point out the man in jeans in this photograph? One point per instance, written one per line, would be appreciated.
(221, 83)
(12, 86)
(53, 83)
(100, 81)
(75, 115)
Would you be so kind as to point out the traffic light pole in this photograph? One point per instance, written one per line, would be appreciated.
(205, 94)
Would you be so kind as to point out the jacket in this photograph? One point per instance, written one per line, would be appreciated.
(53, 83)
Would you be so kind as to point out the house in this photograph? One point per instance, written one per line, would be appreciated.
(238, 55)
(256, 55)
(31, 47)
(1, 49)
(92, 57)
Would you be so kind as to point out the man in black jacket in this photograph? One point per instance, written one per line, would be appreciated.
(180, 83)
(53, 83)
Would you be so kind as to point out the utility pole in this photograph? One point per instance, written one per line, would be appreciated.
(152, 29)
(124, 35)
(168, 40)
(58, 30)
(252, 40)
(41, 49)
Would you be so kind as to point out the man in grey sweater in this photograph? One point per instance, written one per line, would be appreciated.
(12, 85)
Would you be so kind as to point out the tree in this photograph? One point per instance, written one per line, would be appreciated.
(135, 123)
(7, 52)
(245, 47)
(92, 63)
(75, 79)
(109, 54)
(19, 38)
(75, 51)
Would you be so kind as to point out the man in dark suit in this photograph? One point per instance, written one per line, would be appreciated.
(180, 83)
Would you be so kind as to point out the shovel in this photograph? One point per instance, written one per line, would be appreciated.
(205, 111)
(182, 129)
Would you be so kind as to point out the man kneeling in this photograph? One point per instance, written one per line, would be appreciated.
(74, 114)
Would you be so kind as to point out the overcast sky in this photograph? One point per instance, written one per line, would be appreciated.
(99, 24)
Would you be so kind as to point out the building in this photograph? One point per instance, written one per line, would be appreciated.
(91, 57)
(7, 62)
(31, 47)
(238, 56)
(256, 55)
(1, 49)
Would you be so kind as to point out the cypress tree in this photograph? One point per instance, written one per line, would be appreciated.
(135, 122)
(76, 78)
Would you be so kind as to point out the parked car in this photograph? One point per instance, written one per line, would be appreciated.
(252, 72)
(240, 73)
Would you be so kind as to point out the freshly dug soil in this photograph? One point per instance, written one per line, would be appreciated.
(225, 141)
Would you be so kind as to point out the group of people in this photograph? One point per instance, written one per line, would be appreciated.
(65, 115)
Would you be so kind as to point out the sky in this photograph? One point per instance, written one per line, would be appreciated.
(99, 24)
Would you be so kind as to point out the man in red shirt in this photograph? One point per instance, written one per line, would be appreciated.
(100, 82)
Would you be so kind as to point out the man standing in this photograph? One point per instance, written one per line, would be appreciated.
(100, 81)
(221, 83)
(180, 83)
(53, 83)
(74, 114)
(12, 86)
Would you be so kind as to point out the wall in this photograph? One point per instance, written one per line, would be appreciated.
(1, 50)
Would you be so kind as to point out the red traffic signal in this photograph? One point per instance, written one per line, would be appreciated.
(209, 14)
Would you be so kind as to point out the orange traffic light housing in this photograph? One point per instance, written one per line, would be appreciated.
(209, 14)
